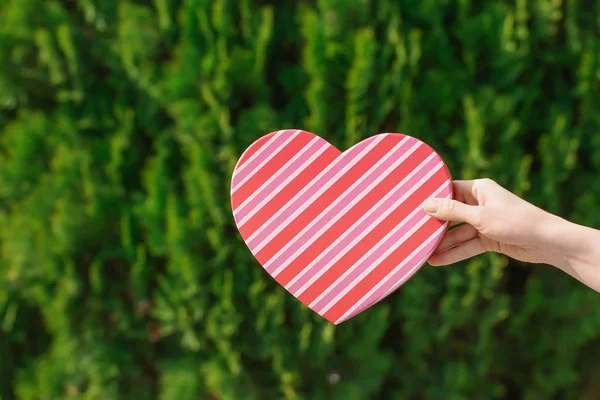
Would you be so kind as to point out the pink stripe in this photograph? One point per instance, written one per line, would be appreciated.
(401, 275)
(243, 211)
(325, 218)
(249, 167)
(345, 158)
(383, 207)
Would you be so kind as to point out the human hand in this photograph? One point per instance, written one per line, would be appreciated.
(496, 220)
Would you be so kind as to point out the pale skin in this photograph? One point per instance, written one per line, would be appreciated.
(497, 220)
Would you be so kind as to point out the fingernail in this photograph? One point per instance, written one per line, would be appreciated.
(431, 205)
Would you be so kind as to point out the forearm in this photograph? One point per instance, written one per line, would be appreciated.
(574, 249)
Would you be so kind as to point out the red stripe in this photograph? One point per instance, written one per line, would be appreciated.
(287, 193)
(375, 276)
(369, 241)
(357, 211)
(270, 168)
(328, 197)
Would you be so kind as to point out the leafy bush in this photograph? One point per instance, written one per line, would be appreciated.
(122, 274)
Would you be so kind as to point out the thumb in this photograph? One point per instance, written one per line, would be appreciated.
(451, 210)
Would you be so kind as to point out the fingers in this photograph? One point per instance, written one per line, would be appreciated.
(463, 251)
(462, 242)
(451, 210)
(463, 192)
(457, 236)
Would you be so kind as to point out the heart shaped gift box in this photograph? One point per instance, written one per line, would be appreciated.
(339, 230)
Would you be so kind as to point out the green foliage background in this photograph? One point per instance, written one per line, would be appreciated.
(122, 275)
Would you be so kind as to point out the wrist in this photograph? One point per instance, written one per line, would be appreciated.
(563, 242)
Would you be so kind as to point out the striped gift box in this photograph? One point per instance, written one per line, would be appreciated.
(339, 230)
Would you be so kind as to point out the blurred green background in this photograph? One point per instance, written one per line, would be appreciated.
(122, 275)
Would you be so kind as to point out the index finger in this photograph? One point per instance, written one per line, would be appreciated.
(463, 192)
